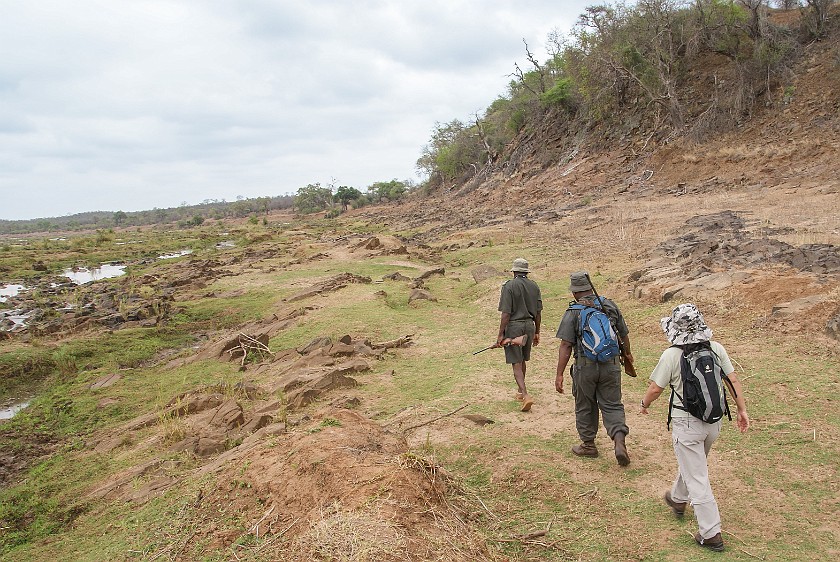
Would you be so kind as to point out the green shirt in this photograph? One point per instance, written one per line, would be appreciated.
(520, 298)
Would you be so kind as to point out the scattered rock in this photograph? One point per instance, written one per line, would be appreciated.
(347, 403)
(332, 284)
(430, 273)
(396, 276)
(486, 272)
(797, 306)
(832, 328)
(317, 343)
(105, 382)
(478, 419)
(421, 294)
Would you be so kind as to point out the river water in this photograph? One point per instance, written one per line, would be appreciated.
(82, 275)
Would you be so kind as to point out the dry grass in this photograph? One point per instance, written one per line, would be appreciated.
(352, 536)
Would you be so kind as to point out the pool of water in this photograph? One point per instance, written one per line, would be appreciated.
(7, 412)
(7, 291)
(17, 317)
(82, 275)
(174, 255)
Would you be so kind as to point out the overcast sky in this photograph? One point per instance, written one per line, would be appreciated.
(130, 105)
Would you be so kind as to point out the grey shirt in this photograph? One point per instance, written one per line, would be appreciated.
(520, 298)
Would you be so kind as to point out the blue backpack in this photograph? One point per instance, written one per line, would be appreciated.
(596, 335)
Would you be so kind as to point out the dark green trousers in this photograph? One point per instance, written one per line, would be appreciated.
(597, 387)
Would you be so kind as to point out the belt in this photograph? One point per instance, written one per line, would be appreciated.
(586, 361)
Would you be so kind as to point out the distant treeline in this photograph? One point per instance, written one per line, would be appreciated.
(184, 216)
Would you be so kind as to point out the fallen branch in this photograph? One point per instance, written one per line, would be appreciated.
(591, 493)
(399, 342)
(277, 536)
(246, 344)
(256, 525)
(455, 411)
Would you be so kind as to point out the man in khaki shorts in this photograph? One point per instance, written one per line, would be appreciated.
(521, 306)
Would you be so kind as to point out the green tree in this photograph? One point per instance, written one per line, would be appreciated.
(454, 149)
(387, 190)
(345, 195)
(119, 217)
(312, 198)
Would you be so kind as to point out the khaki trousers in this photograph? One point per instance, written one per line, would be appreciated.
(693, 440)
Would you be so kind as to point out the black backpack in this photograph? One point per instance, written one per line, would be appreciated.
(704, 394)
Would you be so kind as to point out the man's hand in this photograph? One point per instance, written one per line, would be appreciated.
(537, 339)
(558, 383)
(743, 421)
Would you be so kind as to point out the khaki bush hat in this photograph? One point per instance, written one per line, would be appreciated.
(579, 282)
(520, 265)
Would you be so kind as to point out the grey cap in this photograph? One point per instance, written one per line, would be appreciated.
(578, 282)
(520, 265)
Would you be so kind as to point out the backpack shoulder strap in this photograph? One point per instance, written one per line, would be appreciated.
(670, 408)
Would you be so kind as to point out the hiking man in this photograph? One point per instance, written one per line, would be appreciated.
(595, 384)
(521, 306)
(693, 437)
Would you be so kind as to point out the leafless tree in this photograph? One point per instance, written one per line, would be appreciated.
(816, 15)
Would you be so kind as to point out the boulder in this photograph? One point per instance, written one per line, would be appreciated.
(485, 272)
(257, 422)
(430, 273)
(317, 343)
(421, 294)
(797, 306)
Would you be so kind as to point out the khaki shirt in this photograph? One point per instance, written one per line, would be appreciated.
(667, 372)
(521, 298)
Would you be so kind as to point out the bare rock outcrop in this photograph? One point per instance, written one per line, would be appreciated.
(334, 283)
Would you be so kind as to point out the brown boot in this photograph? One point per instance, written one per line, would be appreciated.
(712, 543)
(677, 508)
(586, 449)
(621, 450)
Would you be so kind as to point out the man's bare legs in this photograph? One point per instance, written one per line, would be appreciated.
(519, 370)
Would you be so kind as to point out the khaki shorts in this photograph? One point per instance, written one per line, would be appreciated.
(514, 353)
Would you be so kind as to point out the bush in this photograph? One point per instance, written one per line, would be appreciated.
(559, 95)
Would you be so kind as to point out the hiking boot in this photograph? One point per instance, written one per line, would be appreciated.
(678, 508)
(712, 543)
(621, 450)
(586, 449)
(527, 402)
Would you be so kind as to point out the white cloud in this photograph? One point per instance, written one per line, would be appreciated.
(108, 105)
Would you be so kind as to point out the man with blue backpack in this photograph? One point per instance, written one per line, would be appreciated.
(594, 331)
